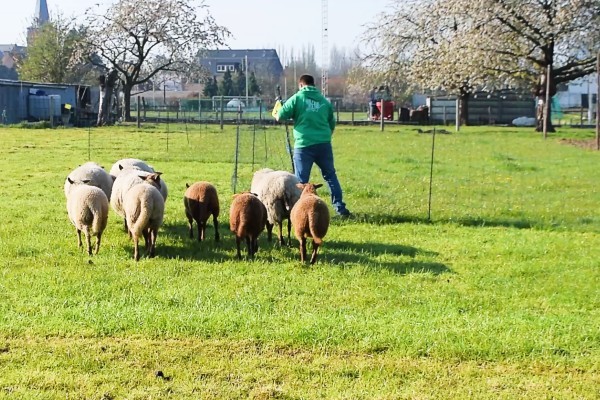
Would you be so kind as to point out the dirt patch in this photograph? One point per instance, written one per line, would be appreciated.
(589, 144)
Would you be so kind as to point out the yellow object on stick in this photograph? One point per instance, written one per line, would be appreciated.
(276, 109)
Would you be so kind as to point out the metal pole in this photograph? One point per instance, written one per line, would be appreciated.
(246, 65)
(547, 105)
(222, 105)
(444, 111)
(253, 145)
(431, 175)
(139, 122)
(352, 113)
(237, 147)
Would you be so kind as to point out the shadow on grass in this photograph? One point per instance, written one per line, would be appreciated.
(374, 256)
(370, 254)
(387, 219)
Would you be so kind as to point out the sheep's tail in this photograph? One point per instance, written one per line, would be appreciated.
(100, 218)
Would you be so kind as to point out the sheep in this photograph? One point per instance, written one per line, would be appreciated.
(87, 207)
(144, 208)
(278, 192)
(124, 182)
(247, 220)
(94, 174)
(129, 163)
(201, 201)
(310, 217)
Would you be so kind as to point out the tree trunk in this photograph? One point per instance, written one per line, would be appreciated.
(541, 110)
(464, 107)
(127, 101)
(107, 88)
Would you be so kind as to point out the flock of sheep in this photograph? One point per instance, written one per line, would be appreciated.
(137, 193)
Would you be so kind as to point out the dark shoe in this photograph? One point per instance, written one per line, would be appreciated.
(344, 214)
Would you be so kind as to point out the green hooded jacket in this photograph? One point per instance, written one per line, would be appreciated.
(313, 117)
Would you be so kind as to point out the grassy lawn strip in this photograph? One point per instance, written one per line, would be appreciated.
(111, 368)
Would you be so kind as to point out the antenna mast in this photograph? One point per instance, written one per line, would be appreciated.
(324, 48)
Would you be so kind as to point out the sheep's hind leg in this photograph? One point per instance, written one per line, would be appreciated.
(79, 243)
(302, 249)
(152, 235)
(238, 241)
(136, 250)
(281, 239)
(88, 240)
(250, 245)
(315, 249)
(97, 249)
(269, 231)
(289, 226)
(216, 224)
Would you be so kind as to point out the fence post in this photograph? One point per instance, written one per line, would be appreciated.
(352, 113)
(381, 115)
(457, 115)
(337, 111)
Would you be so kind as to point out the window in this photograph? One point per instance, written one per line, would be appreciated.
(221, 68)
(231, 68)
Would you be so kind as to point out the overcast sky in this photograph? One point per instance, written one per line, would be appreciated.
(254, 23)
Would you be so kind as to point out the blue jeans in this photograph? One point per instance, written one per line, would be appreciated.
(322, 155)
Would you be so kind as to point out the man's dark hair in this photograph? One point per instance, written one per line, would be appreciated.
(307, 80)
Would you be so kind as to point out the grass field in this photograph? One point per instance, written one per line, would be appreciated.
(495, 297)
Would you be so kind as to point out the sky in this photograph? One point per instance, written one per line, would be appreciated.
(253, 23)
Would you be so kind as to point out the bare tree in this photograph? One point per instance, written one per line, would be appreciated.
(140, 38)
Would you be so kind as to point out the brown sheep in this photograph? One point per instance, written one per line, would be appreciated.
(201, 201)
(310, 218)
(247, 219)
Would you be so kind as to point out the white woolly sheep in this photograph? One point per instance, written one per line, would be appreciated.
(247, 219)
(144, 208)
(310, 217)
(87, 207)
(124, 182)
(94, 174)
(278, 192)
(129, 163)
(201, 201)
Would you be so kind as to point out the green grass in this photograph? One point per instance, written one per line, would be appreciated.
(495, 297)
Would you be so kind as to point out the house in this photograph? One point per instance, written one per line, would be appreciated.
(9, 53)
(35, 101)
(579, 93)
(264, 63)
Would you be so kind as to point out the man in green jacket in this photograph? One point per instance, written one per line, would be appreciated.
(313, 127)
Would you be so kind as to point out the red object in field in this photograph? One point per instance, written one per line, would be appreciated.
(388, 109)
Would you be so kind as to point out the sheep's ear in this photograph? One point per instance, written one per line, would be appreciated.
(187, 186)
(120, 167)
(113, 178)
(158, 173)
(86, 181)
(318, 185)
(254, 194)
(70, 180)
